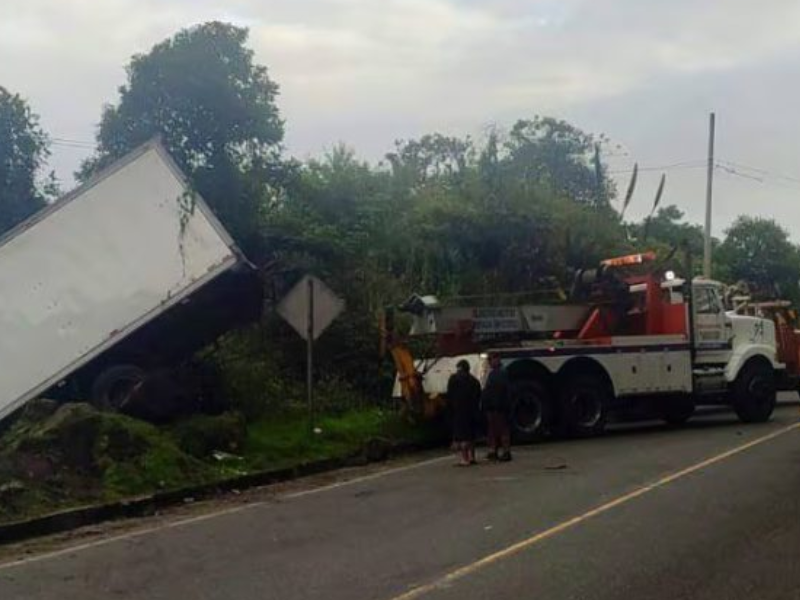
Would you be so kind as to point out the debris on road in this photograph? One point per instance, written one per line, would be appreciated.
(556, 467)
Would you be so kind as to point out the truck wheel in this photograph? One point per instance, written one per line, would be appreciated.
(584, 406)
(531, 410)
(676, 411)
(754, 393)
(114, 387)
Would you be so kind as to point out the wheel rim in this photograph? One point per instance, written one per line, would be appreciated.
(119, 394)
(528, 414)
(760, 389)
(588, 409)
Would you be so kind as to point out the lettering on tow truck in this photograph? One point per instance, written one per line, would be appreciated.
(758, 332)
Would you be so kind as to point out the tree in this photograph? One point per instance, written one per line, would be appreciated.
(555, 153)
(332, 216)
(667, 228)
(433, 156)
(538, 154)
(759, 252)
(23, 152)
(215, 110)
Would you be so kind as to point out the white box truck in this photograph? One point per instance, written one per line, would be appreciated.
(128, 273)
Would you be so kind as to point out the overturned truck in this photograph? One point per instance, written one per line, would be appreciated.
(123, 278)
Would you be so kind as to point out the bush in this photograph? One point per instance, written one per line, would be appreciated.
(80, 455)
(252, 378)
(201, 435)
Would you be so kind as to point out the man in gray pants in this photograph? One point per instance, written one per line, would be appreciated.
(496, 404)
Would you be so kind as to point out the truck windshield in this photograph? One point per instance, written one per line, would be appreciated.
(706, 301)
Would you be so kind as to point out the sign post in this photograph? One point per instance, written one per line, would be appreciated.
(310, 355)
(310, 307)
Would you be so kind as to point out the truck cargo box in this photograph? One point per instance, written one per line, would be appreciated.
(101, 266)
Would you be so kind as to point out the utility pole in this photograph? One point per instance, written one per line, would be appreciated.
(598, 176)
(709, 188)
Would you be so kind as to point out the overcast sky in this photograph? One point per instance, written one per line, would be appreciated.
(366, 72)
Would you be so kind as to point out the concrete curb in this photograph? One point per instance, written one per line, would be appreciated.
(143, 506)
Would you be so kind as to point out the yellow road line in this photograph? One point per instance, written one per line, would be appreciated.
(471, 568)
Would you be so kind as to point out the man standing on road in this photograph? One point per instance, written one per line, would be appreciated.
(496, 403)
(464, 394)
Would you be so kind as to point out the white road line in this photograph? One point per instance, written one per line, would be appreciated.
(369, 477)
(213, 515)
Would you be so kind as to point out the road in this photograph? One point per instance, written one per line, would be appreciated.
(709, 511)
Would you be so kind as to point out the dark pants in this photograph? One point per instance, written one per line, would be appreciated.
(499, 432)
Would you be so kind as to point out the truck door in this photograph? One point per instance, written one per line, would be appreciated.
(712, 329)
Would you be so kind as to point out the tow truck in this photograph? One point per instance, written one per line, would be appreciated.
(629, 335)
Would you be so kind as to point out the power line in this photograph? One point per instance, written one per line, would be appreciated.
(772, 182)
(73, 141)
(70, 143)
(742, 166)
(727, 167)
(733, 171)
(762, 176)
(687, 164)
(615, 154)
(82, 149)
(763, 172)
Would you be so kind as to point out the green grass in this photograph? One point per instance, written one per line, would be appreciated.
(286, 439)
(163, 466)
(97, 457)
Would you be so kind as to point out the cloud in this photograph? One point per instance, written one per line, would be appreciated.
(367, 72)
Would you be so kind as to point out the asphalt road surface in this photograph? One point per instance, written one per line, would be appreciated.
(709, 511)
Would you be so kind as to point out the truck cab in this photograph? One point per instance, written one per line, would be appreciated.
(725, 341)
(721, 337)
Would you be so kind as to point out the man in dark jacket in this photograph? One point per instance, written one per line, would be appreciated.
(464, 394)
(496, 403)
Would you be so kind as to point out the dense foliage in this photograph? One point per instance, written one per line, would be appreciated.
(759, 252)
(445, 216)
(23, 152)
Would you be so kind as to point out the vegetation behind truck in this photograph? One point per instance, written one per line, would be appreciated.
(128, 274)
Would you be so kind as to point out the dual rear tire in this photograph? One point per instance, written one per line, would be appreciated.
(581, 409)
(531, 410)
(584, 403)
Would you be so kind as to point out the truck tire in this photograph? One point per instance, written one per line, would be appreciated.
(583, 406)
(676, 411)
(162, 397)
(114, 387)
(754, 393)
(531, 410)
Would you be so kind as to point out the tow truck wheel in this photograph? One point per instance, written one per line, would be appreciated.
(531, 410)
(584, 406)
(754, 393)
